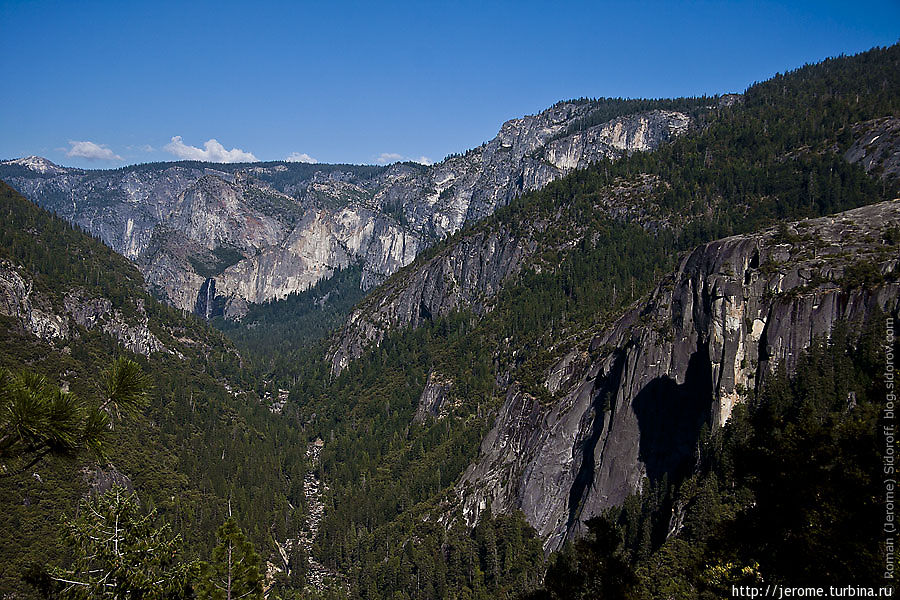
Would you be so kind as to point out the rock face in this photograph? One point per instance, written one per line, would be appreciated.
(465, 275)
(434, 400)
(262, 231)
(469, 272)
(36, 313)
(632, 406)
(877, 147)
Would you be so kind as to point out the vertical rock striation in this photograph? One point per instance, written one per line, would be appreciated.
(631, 408)
(263, 231)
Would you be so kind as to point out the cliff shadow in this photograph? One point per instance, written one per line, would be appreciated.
(670, 416)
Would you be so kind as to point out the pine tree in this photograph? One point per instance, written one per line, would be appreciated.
(38, 419)
(118, 552)
(234, 572)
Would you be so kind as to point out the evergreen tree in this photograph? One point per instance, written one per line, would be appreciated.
(118, 552)
(38, 419)
(234, 572)
(594, 568)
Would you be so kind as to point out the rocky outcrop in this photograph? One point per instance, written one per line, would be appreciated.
(132, 333)
(465, 275)
(100, 479)
(471, 269)
(527, 154)
(630, 407)
(435, 399)
(32, 311)
(263, 231)
(877, 147)
(35, 312)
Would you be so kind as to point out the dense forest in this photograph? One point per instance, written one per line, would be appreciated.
(214, 467)
(203, 439)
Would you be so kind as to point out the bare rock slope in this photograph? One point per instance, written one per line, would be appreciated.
(631, 406)
(210, 238)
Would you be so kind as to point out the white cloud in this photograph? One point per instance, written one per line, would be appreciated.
(91, 151)
(301, 158)
(213, 152)
(388, 157)
(391, 157)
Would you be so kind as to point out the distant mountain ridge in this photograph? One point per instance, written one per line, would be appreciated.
(584, 351)
(212, 237)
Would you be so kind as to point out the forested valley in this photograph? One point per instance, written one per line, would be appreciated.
(224, 424)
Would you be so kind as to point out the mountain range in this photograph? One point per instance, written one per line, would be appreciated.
(623, 332)
(212, 238)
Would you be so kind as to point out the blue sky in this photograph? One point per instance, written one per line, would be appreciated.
(102, 84)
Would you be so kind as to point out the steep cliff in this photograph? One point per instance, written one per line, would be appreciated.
(631, 405)
(471, 269)
(465, 275)
(35, 312)
(265, 230)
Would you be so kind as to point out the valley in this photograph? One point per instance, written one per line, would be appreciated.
(618, 347)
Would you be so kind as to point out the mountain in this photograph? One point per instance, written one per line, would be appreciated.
(715, 182)
(211, 238)
(568, 355)
(206, 441)
(630, 405)
(663, 370)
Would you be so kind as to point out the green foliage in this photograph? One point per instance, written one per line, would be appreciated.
(790, 490)
(500, 558)
(861, 274)
(190, 446)
(118, 551)
(57, 250)
(234, 571)
(220, 259)
(125, 387)
(38, 419)
(595, 567)
(275, 335)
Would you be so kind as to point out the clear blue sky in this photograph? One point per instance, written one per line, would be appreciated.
(352, 82)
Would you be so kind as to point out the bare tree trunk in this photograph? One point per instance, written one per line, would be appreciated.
(228, 590)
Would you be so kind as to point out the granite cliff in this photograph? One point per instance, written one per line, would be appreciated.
(469, 271)
(53, 319)
(630, 406)
(210, 238)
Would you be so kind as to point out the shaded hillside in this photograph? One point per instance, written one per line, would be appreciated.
(68, 306)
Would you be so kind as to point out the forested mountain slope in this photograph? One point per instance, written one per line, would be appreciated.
(485, 316)
(574, 355)
(68, 306)
(629, 407)
(778, 153)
